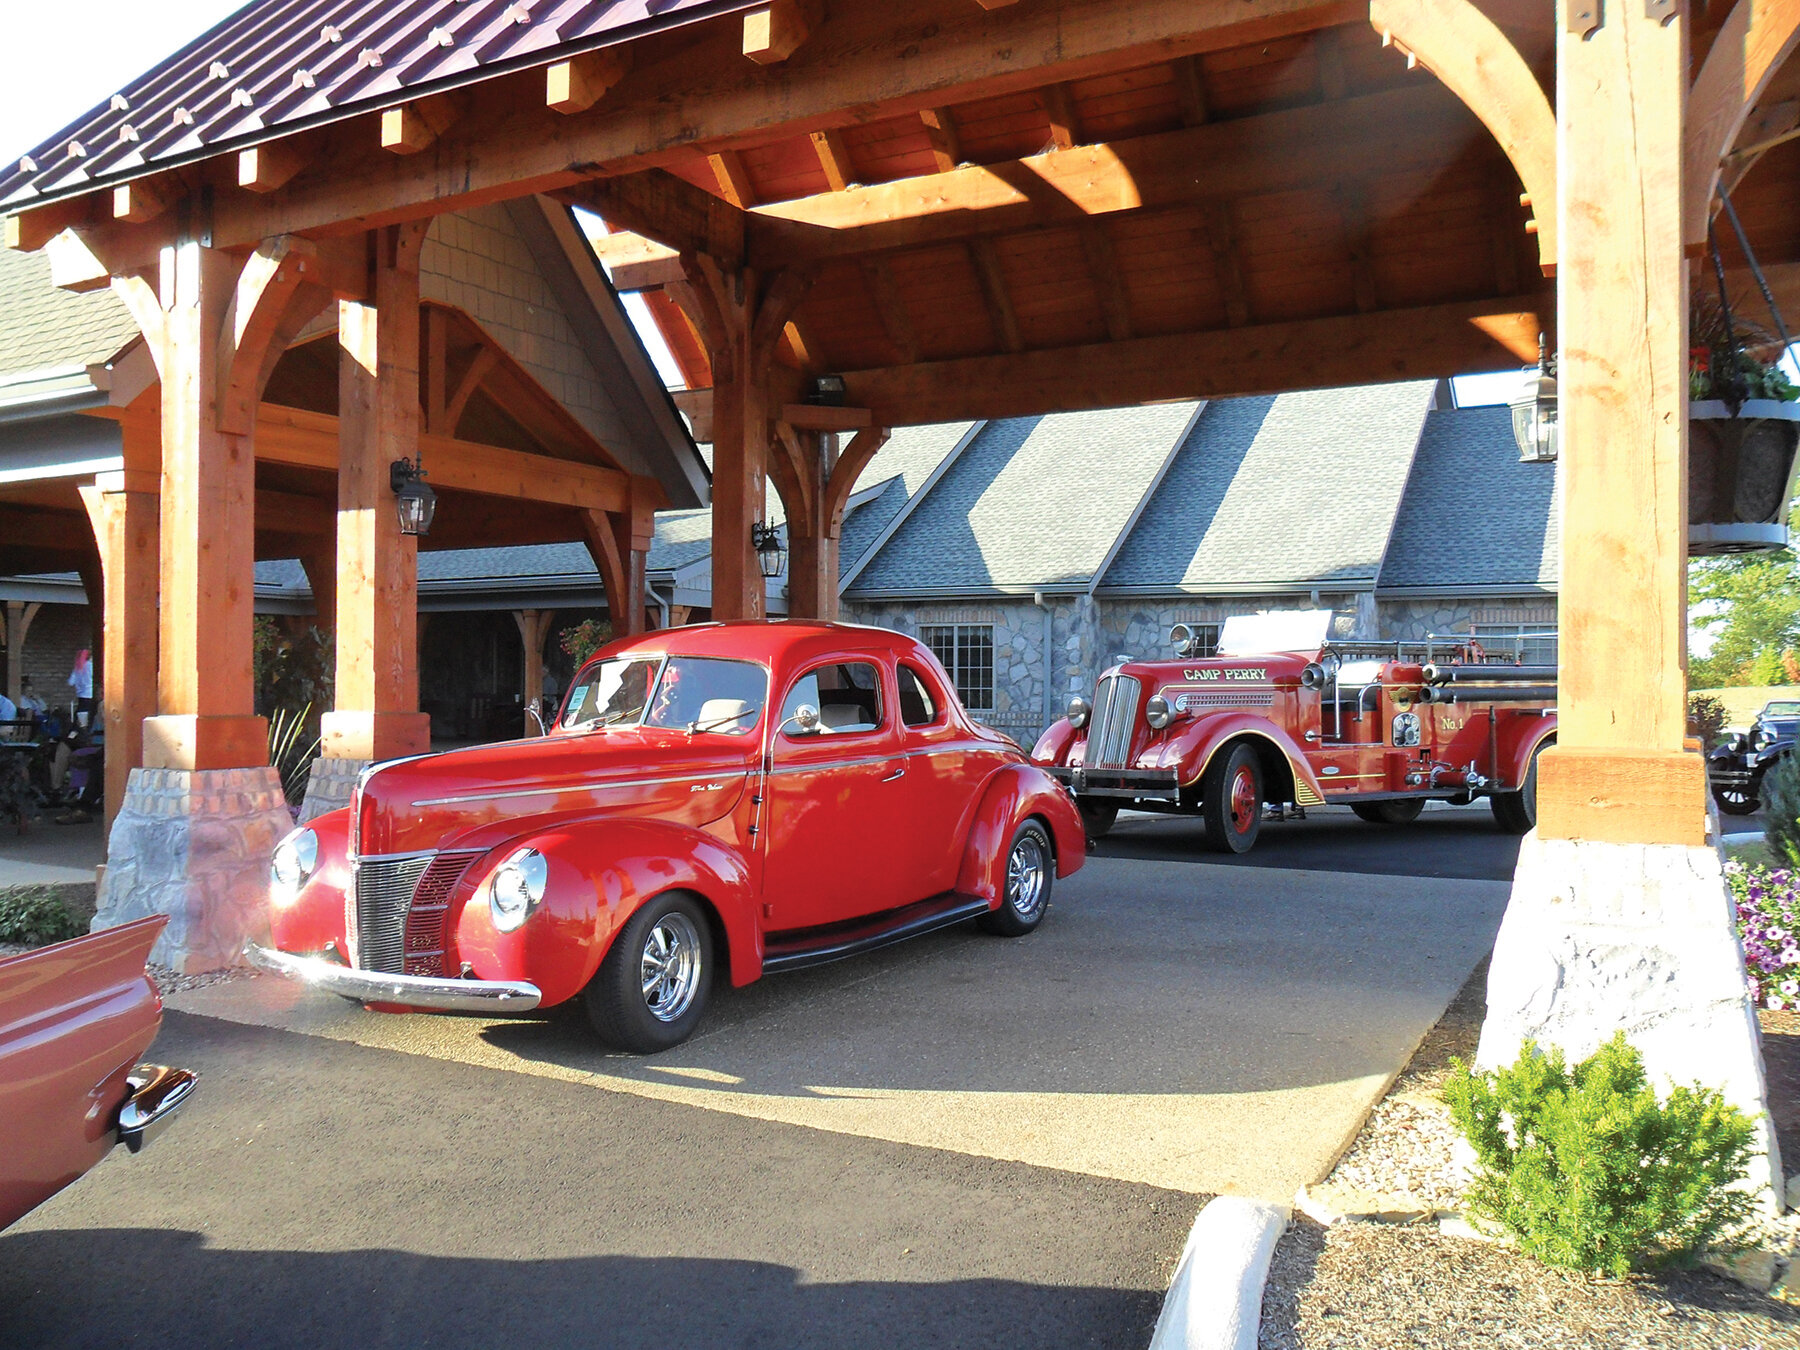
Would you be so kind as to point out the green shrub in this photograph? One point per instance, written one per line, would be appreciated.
(34, 916)
(1781, 804)
(1586, 1169)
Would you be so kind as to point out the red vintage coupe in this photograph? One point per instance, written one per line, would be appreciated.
(763, 796)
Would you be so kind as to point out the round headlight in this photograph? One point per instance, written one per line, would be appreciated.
(1762, 738)
(294, 861)
(1157, 712)
(1078, 712)
(516, 887)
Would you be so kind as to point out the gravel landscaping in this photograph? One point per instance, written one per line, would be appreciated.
(1358, 1285)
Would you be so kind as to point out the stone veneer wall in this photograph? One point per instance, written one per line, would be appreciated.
(1455, 614)
(1140, 627)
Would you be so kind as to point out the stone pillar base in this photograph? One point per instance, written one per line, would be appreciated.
(1639, 938)
(330, 785)
(195, 845)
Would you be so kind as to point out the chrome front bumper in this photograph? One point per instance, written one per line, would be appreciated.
(1162, 785)
(411, 991)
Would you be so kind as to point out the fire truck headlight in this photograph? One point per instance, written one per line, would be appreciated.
(1157, 712)
(1078, 712)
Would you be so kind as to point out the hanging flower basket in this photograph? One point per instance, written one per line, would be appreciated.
(1740, 474)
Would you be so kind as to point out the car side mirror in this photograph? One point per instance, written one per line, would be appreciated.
(805, 720)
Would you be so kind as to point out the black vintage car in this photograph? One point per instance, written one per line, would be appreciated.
(1736, 768)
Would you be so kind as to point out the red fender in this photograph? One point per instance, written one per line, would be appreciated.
(1191, 748)
(316, 918)
(602, 870)
(1524, 738)
(1012, 795)
(1053, 746)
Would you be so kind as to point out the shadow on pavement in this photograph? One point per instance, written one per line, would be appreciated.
(107, 1287)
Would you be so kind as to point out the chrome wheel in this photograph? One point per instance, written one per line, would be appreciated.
(1025, 872)
(669, 970)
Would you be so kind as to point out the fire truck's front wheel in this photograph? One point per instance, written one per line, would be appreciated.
(1231, 797)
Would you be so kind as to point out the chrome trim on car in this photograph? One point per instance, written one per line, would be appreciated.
(157, 1093)
(1112, 721)
(412, 991)
(578, 787)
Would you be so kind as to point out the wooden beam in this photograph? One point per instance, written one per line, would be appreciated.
(575, 85)
(1757, 38)
(670, 210)
(774, 32)
(986, 261)
(834, 158)
(1109, 284)
(734, 179)
(1228, 267)
(814, 417)
(1424, 343)
(275, 297)
(1328, 48)
(650, 275)
(1353, 212)
(29, 230)
(1420, 127)
(941, 132)
(623, 247)
(697, 404)
(1478, 63)
(269, 168)
(483, 362)
(943, 55)
(891, 307)
(416, 126)
(145, 198)
(1059, 108)
(308, 440)
(1190, 91)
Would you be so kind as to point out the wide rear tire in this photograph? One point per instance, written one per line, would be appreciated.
(1516, 812)
(651, 990)
(1402, 811)
(1030, 873)
(1231, 797)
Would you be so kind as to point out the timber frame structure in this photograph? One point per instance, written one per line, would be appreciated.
(964, 208)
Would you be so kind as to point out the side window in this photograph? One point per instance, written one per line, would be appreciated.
(917, 707)
(847, 695)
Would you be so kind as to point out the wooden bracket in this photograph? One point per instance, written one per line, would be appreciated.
(265, 168)
(579, 83)
(774, 32)
(415, 126)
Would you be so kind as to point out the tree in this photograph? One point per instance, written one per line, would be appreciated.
(1753, 604)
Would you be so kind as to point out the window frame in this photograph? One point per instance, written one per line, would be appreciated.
(824, 733)
(940, 706)
(958, 632)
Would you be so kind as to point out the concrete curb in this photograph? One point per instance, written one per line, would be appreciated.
(1215, 1300)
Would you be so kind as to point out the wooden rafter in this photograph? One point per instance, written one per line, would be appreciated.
(941, 132)
(579, 83)
(985, 259)
(1228, 266)
(1059, 108)
(734, 179)
(1353, 210)
(892, 310)
(1190, 91)
(1758, 36)
(834, 158)
(1109, 284)
(1478, 63)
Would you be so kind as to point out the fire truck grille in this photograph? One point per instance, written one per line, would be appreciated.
(384, 890)
(1226, 698)
(1115, 713)
(428, 918)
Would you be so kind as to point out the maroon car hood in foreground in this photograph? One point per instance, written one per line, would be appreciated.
(74, 1019)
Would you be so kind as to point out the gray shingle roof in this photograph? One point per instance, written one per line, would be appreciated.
(1032, 502)
(1473, 514)
(901, 467)
(1290, 489)
(43, 328)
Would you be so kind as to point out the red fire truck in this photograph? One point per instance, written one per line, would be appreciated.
(1280, 716)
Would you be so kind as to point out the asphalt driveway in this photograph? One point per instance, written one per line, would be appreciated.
(960, 1141)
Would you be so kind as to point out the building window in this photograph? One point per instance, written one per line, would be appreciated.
(967, 651)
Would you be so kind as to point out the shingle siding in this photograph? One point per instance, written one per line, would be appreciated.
(43, 328)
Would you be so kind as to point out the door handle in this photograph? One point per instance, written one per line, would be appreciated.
(897, 773)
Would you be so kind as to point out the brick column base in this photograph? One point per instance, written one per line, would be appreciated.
(195, 845)
(1639, 938)
(330, 785)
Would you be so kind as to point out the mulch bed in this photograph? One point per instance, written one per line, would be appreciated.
(1358, 1286)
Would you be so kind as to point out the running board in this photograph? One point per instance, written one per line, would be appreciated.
(802, 947)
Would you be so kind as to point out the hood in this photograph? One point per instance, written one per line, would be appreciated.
(479, 797)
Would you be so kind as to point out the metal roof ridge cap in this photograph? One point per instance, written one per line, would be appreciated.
(1143, 503)
(912, 503)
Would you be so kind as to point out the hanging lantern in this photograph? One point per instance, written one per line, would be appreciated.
(771, 557)
(1535, 424)
(415, 502)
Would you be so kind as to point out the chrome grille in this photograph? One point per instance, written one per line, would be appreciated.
(428, 918)
(384, 890)
(1114, 717)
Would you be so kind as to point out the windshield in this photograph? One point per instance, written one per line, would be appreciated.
(1791, 709)
(689, 693)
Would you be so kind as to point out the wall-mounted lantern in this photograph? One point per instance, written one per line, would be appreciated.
(771, 557)
(415, 502)
(1535, 424)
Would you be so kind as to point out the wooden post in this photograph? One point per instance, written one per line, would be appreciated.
(207, 717)
(534, 627)
(377, 714)
(321, 579)
(19, 614)
(815, 482)
(620, 543)
(124, 508)
(1619, 771)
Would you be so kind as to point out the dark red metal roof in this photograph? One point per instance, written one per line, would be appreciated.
(277, 66)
